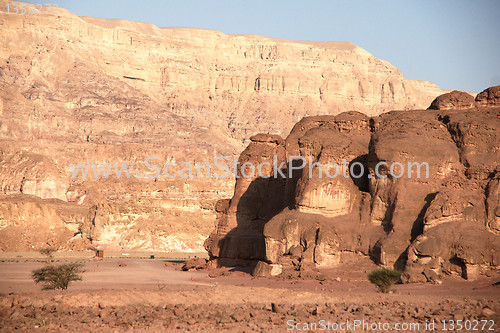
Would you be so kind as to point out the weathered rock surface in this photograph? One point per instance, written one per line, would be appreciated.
(255, 201)
(81, 89)
(196, 263)
(263, 269)
(489, 97)
(455, 100)
(427, 203)
(464, 248)
(493, 203)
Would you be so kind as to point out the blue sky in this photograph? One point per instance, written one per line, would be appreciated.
(453, 43)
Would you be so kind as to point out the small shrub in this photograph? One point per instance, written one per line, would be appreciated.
(383, 278)
(58, 276)
(48, 252)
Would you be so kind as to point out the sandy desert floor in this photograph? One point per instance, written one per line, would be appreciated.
(134, 294)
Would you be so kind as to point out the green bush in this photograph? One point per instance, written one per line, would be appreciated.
(383, 278)
(58, 276)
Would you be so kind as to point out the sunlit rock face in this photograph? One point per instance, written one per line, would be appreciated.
(454, 100)
(427, 203)
(326, 186)
(82, 89)
(493, 204)
(489, 97)
(398, 193)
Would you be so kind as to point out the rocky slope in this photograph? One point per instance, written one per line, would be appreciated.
(80, 89)
(428, 226)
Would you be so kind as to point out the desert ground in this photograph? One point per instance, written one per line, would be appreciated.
(136, 293)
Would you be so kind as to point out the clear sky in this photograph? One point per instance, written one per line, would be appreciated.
(453, 43)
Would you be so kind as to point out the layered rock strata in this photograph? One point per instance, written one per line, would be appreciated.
(82, 89)
(427, 202)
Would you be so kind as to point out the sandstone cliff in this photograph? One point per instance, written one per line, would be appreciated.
(428, 226)
(87, 89)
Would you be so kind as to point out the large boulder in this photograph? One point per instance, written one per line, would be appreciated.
(461, 247)
(263, 269)
(454, 100)
(476, 136)
(489, 97)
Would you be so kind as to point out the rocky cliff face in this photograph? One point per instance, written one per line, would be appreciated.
(428, 226)
(76, 89)
(236, 84)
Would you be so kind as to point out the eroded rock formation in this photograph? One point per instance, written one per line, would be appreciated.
(81, 89)
(429, 219)
(455, 100)
(255, 200)
(489, 96)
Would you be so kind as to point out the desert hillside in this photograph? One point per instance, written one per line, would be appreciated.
(81, 89)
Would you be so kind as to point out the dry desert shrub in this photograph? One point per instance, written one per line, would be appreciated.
(384, 278)
(58, 276)
(48, 252)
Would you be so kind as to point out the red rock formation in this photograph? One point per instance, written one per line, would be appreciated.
(489, 97)
(255, 201)
(428, 226)
(455, 100)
